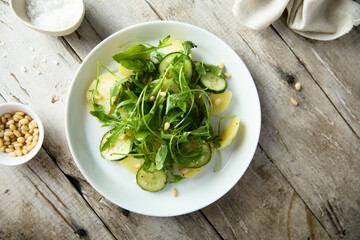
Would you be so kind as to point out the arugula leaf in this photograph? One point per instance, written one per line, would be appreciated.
(140, 66)
(176, 100)
(111, 139)
(161, 156)
(201, 68)
(140, 51)
(188, 45)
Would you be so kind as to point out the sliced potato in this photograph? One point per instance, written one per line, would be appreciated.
(228, 135)
(190, 172)
(220, 102)
(176, 46)
(106, 81)
(132, 164)
(124, 72)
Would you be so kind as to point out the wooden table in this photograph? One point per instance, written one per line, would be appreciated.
(304, 180)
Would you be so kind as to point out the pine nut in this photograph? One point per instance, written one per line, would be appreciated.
(3, 120)
(294, 101)
(12, 127)
(25, 128)
(184, 170)
(297, 86)
(12, 154)
(18, 116)
(17, 133)
(24, 121)
(17, 144)
(138, 165)
(15, 118)
(9, 150)
(18, 153)
(122, 136)
(33, 123)
(24, 151)
(217, 101)
(174, 192)
(2, 127)
(26, 136)
(7, 143)
(9, 122)
(8, 133)
(162, 94)
(152, 98)
(36, 138)
(21, 139)
(221, 65)
(2, 133)
(29, 147)
(20, 113)
(6, 139)
(7, 115)
(3, 148)
(98, 97)
(36, 131)
(1, 142)
(28, 118)
(166, 126)
(227, 75)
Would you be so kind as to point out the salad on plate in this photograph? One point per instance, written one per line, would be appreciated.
(159, 105)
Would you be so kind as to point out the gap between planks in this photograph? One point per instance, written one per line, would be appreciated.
(80, 193)
(295, 192)
(313, 78)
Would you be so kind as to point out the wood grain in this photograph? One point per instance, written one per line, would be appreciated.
(263, 206)
(334, 66)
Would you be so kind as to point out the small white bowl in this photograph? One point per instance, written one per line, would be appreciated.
(19, 9)
(5, 159)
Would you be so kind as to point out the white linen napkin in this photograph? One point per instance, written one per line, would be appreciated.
(315, 19)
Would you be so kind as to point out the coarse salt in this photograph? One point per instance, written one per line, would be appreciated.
(52, 15)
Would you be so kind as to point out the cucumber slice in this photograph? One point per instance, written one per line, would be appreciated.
(188, 161)
(151, 181)
(213, 82)
(115, 151)
(169, 58)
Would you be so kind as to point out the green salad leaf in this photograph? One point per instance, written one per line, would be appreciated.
(165, 113)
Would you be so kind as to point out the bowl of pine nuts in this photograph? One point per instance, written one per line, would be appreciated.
(21, 133)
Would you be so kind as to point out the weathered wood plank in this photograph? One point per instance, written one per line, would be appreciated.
(136, 226)
(38, 202)
(263, 206)
(311, 144)
(334, 65)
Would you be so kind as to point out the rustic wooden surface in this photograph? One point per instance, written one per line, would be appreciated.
(304, 180)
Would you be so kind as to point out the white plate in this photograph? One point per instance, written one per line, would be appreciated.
(118, 184)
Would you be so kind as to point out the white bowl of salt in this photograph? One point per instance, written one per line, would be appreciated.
(53, 17)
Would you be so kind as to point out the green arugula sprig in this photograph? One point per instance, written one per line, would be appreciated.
(186, 108)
